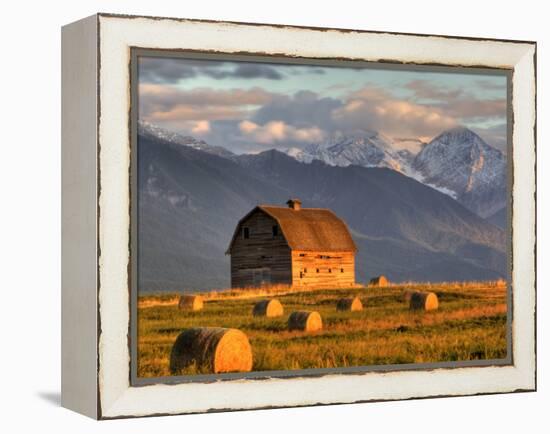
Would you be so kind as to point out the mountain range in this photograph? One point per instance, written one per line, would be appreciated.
(191, 196)
(457, 162)
(369, 149)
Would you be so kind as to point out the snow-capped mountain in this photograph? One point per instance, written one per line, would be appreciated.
(147, 129)
(460, 161)
(457, 162)
(370, 149)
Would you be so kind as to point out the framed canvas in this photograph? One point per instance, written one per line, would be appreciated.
(262, 216)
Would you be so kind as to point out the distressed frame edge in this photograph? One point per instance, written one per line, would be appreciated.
(79, 271)
(315, 28)
(529, 385)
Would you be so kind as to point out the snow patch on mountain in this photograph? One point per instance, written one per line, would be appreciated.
(148, 129)
(369, 149)
(460, 161)
(457, 163)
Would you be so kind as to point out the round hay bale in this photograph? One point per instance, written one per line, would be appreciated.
(212, 349)
(269, 308)
(423, 301)
(349, 304)
(303, 320)
(379, 281)
(407, 294)
(191, 302)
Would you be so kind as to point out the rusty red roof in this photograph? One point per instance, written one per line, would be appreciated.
(308, 229)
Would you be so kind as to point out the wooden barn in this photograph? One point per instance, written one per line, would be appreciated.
(295, 246)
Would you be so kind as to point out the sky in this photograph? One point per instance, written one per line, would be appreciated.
(249, 107)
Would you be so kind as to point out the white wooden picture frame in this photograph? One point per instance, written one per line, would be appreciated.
(96, 162)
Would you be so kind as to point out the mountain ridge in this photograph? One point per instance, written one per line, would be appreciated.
(461, 161)
(457, 162)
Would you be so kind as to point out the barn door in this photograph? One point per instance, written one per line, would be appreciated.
(261, 276)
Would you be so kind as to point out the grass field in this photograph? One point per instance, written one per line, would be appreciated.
(470, 324)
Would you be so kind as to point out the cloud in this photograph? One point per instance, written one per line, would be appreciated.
(247, 70)
(496, 135)
(474, 109)
(491, 85)
(187, 113)
(459, 103)
(162, 102)
(424, 89)
(201, 127)
(376, 109)
(302, 109)
(167, 96)
(253, 119)
(304, 70)
(172, 70)
(248, 127)
(278, 132)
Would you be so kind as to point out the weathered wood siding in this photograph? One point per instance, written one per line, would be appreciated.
(262, 258)
(323, 269)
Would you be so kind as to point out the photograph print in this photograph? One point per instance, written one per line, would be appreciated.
(296, 217)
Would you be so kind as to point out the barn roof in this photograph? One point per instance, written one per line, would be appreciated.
(309, 229)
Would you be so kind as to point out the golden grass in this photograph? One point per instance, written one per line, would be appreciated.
(169, 299)
(470, 324)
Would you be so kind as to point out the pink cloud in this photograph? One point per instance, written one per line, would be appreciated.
(278, 131)
(161, 103)
(376, 109)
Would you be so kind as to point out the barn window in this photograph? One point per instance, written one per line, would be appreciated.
(275, 231)
(246, 233)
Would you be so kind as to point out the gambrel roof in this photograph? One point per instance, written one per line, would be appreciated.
(307, 229)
